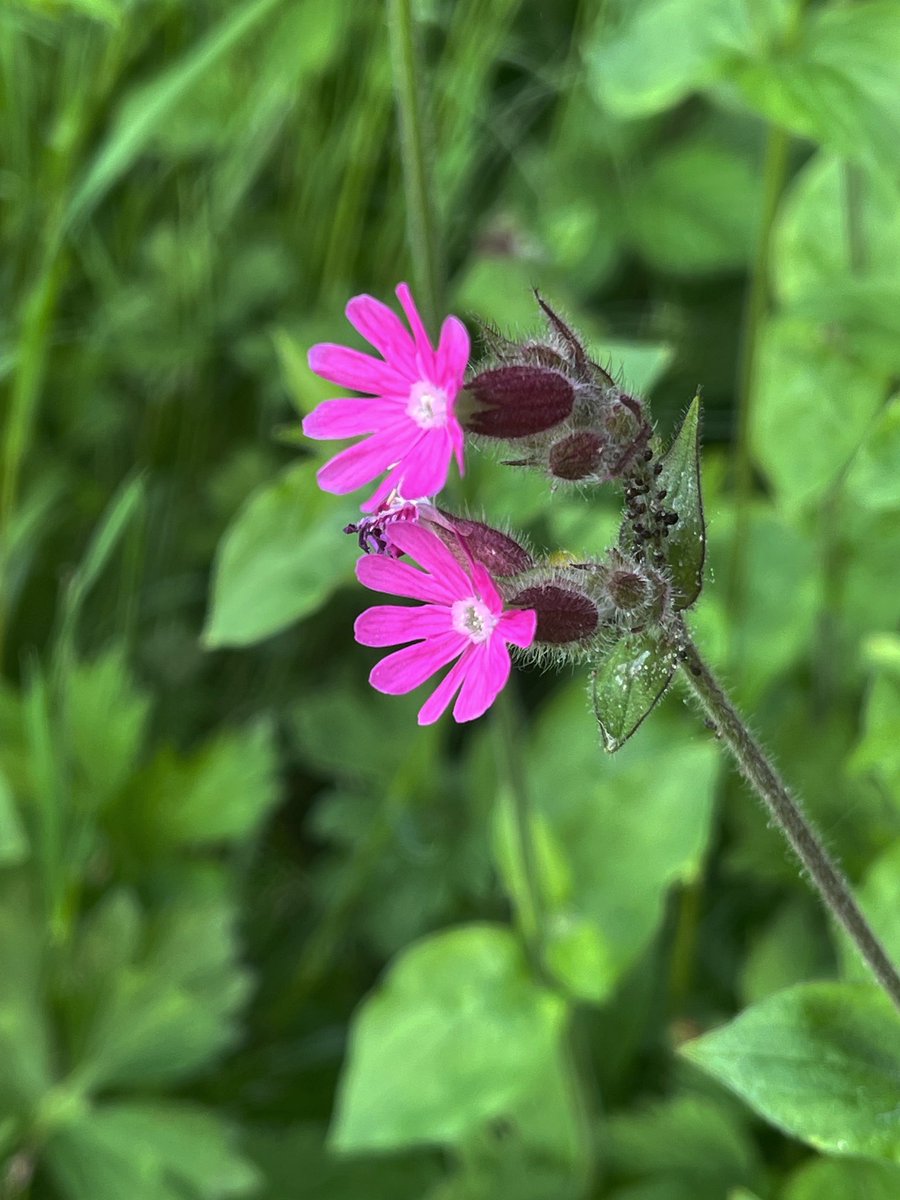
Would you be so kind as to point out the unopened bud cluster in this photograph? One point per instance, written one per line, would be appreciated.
(559, 411)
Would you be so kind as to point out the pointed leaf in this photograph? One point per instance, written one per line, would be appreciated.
(627, 684)
(685, 546)
(821, 1061)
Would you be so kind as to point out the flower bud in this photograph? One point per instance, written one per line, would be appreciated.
(576, 456)
(517, 401)
(628, 589)
(564, 614)
(499, 553)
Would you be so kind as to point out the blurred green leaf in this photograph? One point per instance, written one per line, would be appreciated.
(812, 409)
(873, 478)
(26, 1049)
(627, 827)
(835, 245)
(844, 1180)
(464, 1000)
(879, 898)
(173, 1009)
(687, 1146)
(627, 683)
(836, 82)
(694, 209)
(878, 752)
(148, 1150)
(280, 560)
(821, 1061)
(297, 1165)
(792, 948)
(150, 104)
(685, 547)
(105, 717)
(222, 792)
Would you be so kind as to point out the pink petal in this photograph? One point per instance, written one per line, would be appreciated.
(390, 483)
(391, 624)
(452, 356)
(486, 677)
(360, 464)
(486, 589)
(353, 369)
(425, 352)
(349, 417)
(428, 549)
(406, 669)
(437, 702)
(400, 579)
(423, 471)
(457, 440)
(518, 627)
(382, 327)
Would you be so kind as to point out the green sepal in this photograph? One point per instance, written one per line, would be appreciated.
(685, 547)
(628, 682)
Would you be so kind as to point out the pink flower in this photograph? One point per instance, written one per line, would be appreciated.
(462, 618)
(409, 412)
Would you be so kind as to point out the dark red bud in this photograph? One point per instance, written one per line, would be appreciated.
(563, 614)
(577, 456)
(497, 551)
(518, 401)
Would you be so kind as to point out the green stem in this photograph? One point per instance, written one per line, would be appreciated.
(509, 743)
(421, 213)
(786, 813)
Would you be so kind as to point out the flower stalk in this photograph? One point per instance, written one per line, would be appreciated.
(786, 813)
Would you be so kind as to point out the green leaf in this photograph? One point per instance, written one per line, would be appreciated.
(663, 51)
(694, 209)
(456, 1034)
(221, 793)
(615, 834)
(696, 1146)
(878, 752)
(813, 408)
(873, 479)
(685, 547)
(792, 948)
(298, 1165)
(821, 1061)
(174, 1009)
(280, 560)
(836, 83)
(125, 504)
(25, 1035)
(148, 1151)
(105, 720)
(628, 682)
(836, 1180)
(149, 105)
(879, 898)
(835, 241)
(13, 842)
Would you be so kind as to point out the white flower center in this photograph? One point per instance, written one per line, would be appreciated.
(428, 405)
(473, 618)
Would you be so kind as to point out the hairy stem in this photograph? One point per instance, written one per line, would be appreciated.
(787, 814)
(420, 209)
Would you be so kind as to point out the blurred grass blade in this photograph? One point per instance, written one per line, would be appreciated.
(146, 107)
(113, 523)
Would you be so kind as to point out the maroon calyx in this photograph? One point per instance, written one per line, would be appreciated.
(563, 613)
(517, 401)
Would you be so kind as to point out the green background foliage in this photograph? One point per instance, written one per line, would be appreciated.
(260, 934)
